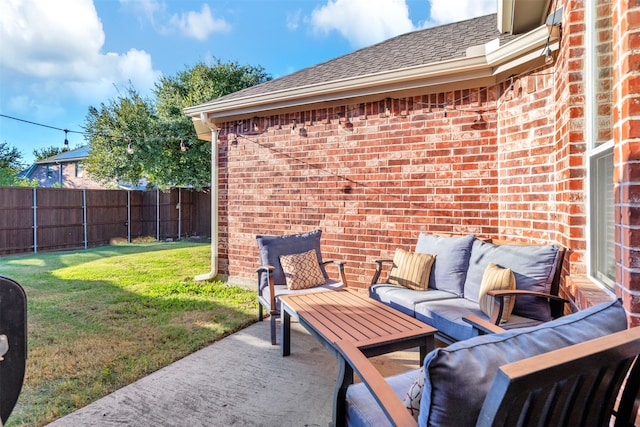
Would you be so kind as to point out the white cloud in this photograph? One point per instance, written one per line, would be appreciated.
(446, 11)
(198, 25)
(58, 46)
(293, 19)
(363, 22)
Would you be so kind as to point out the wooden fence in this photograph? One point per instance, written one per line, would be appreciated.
(44, 219)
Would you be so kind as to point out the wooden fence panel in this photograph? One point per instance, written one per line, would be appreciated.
(59, 219)
(16, 219)
(76, 218)
(106, 216)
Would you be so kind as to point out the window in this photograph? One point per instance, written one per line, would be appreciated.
(601, 244)
(79, 170)
(49, 171)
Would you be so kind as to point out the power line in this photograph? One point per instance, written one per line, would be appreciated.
(40, 124)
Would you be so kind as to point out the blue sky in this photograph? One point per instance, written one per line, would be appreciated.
(59, 57)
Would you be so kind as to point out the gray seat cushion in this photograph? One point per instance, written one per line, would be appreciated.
(533, 267)
(404, 299)
(449, 269)
(272, 247)
(281, 290)
(446, 316)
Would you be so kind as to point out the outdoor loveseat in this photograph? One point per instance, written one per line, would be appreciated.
(564, 372)
(448, 279)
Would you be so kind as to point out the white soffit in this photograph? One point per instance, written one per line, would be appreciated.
(520, 16)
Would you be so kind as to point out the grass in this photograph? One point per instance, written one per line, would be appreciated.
(101, 318)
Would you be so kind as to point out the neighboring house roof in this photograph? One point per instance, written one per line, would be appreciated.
(74, 155)
(471, 51)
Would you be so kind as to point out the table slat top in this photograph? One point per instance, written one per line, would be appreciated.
(347, 314)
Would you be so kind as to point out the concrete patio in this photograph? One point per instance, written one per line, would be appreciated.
(239, 381)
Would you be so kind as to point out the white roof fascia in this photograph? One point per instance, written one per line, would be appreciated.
(488, 60)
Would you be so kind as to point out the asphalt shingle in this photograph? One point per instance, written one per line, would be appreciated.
(416, 48)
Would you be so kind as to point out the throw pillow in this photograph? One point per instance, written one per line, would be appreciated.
(302, 271)
(414, 394)
(497, 278)
(411, 270)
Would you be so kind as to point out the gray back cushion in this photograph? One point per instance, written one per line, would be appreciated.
(449, 269)
(533, 267)
(458, 377)
(271, 247)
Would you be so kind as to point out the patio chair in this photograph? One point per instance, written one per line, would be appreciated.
(302, 272)
(13, 344)
(581, 369)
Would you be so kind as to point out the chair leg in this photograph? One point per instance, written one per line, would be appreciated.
(273, 329)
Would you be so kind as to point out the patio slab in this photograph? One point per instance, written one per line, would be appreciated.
(241, 380)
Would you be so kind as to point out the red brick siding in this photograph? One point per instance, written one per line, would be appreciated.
(626, 21)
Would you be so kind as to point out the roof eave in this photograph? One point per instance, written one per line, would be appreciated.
(487, 61)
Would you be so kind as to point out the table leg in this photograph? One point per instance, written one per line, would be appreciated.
(285, 332)
(345, 379)
(425, 349)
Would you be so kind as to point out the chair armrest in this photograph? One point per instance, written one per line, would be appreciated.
(390, 403)
(379, 263)
(268, 269)
(340, 265)
(499, 295)
(482, 326)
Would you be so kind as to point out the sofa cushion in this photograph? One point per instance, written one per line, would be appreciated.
(497, 279)
(363, 410)
(459, 376)
(302, 271)
(281, 290)
(533, 267)
(404, 299)
(271, 247)
(446, 316)
(411, 270)
(452, 260)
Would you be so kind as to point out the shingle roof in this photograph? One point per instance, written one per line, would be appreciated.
(80, 153)
(416, 48)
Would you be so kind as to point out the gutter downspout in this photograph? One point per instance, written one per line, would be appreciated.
(214, 201)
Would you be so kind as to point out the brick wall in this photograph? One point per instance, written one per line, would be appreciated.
(626, 57)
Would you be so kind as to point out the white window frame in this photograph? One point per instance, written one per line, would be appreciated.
(593, 151)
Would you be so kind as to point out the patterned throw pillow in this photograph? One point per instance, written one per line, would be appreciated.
(411, 270)
(302, 271)
(414, 394)
(497, 278)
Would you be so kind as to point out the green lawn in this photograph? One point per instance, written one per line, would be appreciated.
(101, 318)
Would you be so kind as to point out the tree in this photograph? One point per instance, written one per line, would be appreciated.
(10, 165)
(46, 152)
(165, 150)
(10, 157)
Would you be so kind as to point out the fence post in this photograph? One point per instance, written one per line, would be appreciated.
(84, 216)
(179, 211)
(129, 216)
(157, 214)
(35, 222)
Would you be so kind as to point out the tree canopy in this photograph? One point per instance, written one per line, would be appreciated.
(10, 165)
(133, 138)
(46, 152)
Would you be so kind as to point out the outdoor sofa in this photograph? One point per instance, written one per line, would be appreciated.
(447, 279)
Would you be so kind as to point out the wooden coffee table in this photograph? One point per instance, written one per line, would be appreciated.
(349, 314)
